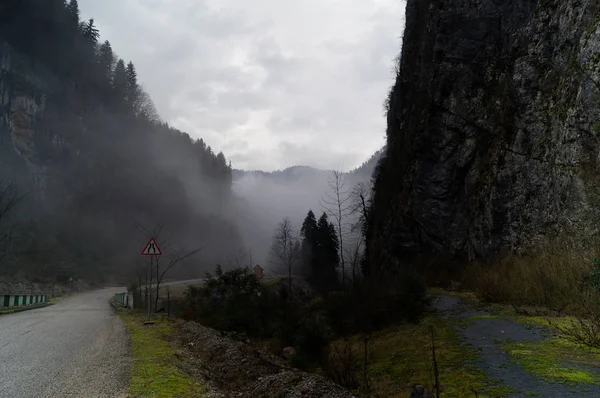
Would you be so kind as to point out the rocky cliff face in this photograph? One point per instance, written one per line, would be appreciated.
(24, 90)
(492, 129)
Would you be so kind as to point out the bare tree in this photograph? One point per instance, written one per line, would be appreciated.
(240, 258)
(353, 256)
(360, 198)
(179, 256)
(337, 203)
(286, 247)
(144, 106)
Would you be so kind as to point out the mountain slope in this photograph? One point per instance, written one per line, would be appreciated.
(83, 142)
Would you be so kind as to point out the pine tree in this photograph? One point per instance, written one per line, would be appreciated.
(90, 32)
(106, 60)
(132, 86)
(119, 83)
(325, 257)
(308, 232)
(73, 11)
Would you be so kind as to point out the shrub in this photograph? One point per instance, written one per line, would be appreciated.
(312, 337)
(551, 277)
(236, 301)
(341, 365)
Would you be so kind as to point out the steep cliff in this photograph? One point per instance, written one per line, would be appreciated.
(24, 89)
(492, 130)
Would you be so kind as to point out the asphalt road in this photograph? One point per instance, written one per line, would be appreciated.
(76, 348)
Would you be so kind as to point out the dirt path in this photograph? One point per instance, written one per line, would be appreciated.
(487, 333)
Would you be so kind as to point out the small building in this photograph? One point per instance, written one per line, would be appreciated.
(258, 271)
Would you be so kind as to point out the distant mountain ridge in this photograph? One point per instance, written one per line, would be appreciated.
(300, 171)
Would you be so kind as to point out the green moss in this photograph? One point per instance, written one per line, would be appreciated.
(155, 370)
(468, 298)
(556, 360)
(401, 357)
(533, 394)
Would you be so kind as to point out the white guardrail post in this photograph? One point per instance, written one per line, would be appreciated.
(8, 301)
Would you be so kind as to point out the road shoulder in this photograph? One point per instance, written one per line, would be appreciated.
(157, 369)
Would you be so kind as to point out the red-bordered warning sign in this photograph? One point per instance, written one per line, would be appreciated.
(151, 248)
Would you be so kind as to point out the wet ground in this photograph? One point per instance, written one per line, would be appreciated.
(486, 332)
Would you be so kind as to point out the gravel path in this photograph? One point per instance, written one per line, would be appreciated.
(76, 348)
(483, 334)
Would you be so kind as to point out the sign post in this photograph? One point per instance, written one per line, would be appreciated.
(151, 249)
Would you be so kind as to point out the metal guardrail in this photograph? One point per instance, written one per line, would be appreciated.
(21, 300)
(125, 299)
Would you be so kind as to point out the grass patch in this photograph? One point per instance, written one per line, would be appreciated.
(400, 357)
(155, 370)
(557, 360)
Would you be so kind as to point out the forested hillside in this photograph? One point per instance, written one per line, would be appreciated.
(86, 160)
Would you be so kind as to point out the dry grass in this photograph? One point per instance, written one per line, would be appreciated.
(550, 278)
(549, 283)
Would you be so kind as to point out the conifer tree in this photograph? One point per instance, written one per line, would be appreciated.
(119, 83)
(73, 12)
(90, 32)
(132, 86)
(308, 232)
(325, 256)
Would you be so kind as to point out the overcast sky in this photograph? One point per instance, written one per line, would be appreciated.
(271, 83)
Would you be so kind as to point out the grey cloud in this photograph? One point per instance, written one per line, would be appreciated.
(310, 87)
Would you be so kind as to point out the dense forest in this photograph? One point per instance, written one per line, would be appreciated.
(87, 169)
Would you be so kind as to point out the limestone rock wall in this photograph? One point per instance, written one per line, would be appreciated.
(492, 129)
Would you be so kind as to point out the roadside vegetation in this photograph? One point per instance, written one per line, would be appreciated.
(155, 368)
(400, 357)
(559, 283)
(557, 288)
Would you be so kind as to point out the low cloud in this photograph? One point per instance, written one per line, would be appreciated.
(296, 82)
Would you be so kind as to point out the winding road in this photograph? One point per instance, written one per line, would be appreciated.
(76, 348)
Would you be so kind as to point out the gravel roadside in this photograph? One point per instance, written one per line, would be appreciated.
(237, 370)
(76, 348)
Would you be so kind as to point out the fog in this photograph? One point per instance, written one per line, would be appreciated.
(264, 199)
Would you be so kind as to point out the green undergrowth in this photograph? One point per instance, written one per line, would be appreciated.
(557, 360)
(401, 356)
(155, 370)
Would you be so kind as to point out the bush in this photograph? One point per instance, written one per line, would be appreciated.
(342, 366)
(236, 301)
(312, 337)
(552, 278)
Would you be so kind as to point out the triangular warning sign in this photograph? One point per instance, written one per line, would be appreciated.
(151, 248)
